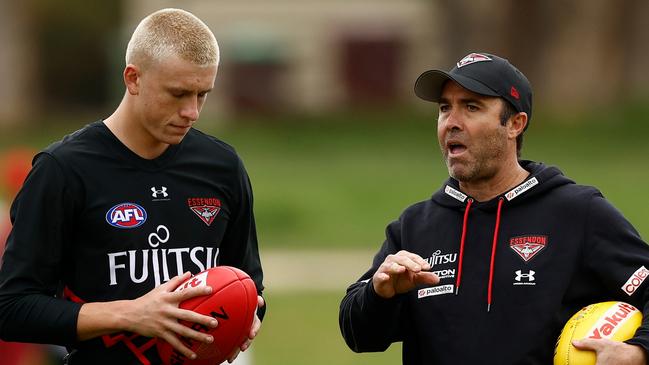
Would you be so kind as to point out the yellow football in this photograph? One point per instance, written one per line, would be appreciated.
(615, 321)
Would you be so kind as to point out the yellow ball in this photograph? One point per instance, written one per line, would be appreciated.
(616, 321)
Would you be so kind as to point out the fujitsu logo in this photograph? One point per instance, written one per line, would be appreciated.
(137, 265)
(438, 258)
(612, 320)
(635, 280)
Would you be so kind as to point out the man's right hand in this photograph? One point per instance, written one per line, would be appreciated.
(400, 273)
(155, 314)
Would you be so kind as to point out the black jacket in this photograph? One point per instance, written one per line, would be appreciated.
(95, 222)
(559, 247)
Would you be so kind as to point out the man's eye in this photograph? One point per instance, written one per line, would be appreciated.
(472, 108)
(443, 108)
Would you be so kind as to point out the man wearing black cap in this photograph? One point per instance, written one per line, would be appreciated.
(492, 266)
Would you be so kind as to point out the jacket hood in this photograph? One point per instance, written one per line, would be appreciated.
(542, 178)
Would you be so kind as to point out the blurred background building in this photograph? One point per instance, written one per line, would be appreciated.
(312, 55)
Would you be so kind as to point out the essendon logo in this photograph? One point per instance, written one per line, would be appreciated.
(472, 58)
(635, 280)
(126, 215)
(205, 208)
(612, 320)
(528, 246)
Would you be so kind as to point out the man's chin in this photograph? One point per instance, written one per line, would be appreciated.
(459, 173)
(174, 138)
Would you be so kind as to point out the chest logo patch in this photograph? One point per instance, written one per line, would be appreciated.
(205, 208)
(126, 215)
(434, 290)
(528, 246)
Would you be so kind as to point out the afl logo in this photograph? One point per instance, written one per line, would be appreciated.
(126, 215)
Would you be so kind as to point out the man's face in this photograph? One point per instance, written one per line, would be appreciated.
(171, 94)
(473, 142)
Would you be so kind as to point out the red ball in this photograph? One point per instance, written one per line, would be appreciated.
(233, 303)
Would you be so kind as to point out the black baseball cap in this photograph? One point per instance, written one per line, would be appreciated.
(484, 74)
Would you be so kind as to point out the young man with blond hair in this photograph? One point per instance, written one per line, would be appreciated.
(114, 216)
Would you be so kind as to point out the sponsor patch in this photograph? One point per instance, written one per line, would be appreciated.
(528, 246)
(126, 215)
(612, 320)
(635, 280)
(434, 290)
(520, 189)
(439, 258)
(205, 208)
(472, 58)
(445, 274)
(455, 193)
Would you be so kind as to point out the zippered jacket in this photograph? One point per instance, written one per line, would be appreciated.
(513, 270)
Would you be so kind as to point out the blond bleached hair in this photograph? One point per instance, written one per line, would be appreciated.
(170, 32)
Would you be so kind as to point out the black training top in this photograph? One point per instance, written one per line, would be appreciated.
(95, 222)
(513, 270)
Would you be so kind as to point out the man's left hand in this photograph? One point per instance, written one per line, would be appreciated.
(256, 325)
(612, 352)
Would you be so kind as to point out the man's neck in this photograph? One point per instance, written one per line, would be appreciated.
(488, 189)
(135, 139)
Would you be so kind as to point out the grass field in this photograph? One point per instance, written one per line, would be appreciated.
(303, 329)
(333, 182)
(339, 184)
(337, 180)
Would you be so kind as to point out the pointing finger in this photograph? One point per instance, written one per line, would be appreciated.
(408, 262)
(415, 258)
(426, 277)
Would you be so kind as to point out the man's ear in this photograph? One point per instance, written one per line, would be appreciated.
(132, 75)
(517, 124)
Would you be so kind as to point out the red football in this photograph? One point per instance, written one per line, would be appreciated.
(233, 303)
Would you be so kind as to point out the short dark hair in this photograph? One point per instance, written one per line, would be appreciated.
(506, 113)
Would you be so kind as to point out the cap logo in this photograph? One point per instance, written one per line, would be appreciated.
(513, 92)
(472, 58)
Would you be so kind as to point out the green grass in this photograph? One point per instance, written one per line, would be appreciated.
(302, 328)
(337, 180)
(337, 183)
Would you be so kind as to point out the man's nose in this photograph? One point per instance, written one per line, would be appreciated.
(190, 109)
(453, 120)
